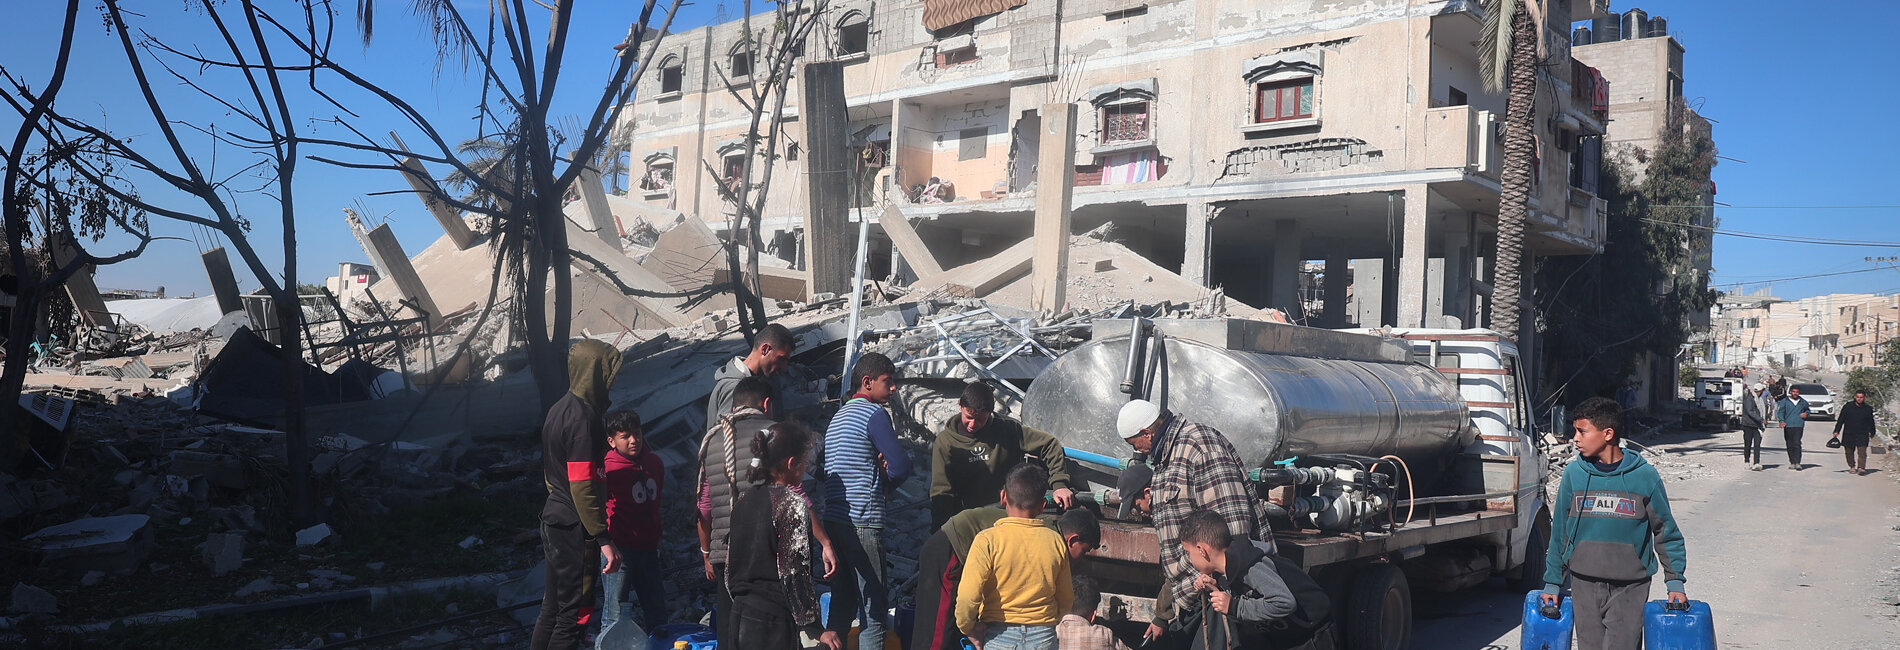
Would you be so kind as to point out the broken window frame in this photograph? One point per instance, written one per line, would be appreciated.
(1125, 108)
(658, 179)
(854, 29)
(672, 76)
(740, 57)
(1305, 97)
(732, 170)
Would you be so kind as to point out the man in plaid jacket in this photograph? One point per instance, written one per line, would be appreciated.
(1194, 467)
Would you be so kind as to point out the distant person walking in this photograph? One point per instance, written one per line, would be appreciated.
(1854, 426)
(1793, 413)
(1755, 411)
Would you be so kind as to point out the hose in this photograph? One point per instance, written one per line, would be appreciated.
(1411, 508)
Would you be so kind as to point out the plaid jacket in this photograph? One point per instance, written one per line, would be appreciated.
(1198, 468)
(1077, 633)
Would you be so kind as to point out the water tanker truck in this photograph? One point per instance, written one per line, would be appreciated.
(1392, 461)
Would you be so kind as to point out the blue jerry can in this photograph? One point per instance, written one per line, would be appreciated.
(1542, 631)
(1682, 627)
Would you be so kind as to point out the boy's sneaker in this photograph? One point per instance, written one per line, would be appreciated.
(1755, 467)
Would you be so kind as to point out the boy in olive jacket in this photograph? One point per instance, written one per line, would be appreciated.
(1613, 525)
(976, 449)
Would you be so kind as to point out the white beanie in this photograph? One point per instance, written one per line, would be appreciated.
(1135, 416)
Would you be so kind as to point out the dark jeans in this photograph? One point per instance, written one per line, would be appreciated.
(1751, 445)
(859, 588)
(938, 572)
(1793, 437)
(1608, 615)
(568, 604)
(640, 573)
(751, 629)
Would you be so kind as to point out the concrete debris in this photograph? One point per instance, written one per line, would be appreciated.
(28, 599)
(259, 586)
(470, 542)
(315, 535)
(118, 544)
(223, 552)
(92, 578)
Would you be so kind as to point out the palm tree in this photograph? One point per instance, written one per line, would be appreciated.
(1510, 44)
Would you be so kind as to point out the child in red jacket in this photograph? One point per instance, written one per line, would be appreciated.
(635, 478)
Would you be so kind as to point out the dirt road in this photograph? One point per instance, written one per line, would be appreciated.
(1787, 559)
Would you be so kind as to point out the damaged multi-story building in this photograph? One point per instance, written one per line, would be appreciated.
(1337, 161)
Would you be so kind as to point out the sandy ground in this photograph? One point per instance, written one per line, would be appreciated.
(1786, 559)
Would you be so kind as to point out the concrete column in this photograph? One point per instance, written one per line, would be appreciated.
(1335, 289)
(223, 284)
(1284, 276)
(448, 217)
(80, 288)
(1368, 291)
(388, 256)
(1055, 185)
(1434, 292)
(829, 235)
(1456, 273)
(1413, 256)
(1197, 255)
(594, 202)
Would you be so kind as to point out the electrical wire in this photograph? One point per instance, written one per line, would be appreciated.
(1801, 277)
(1795, 239)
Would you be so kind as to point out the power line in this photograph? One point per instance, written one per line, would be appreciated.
(1792, 239)
(1801, 277)
(1783, 207)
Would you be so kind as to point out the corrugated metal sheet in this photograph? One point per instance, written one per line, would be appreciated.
(939, 14)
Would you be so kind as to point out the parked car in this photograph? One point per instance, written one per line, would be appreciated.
(1821, 404)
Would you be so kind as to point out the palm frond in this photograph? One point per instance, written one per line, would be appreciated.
(1494, 43)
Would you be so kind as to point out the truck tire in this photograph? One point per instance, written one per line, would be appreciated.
(1531, 574)
(1378, 612)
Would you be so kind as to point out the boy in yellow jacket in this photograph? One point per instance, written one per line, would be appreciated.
(1016, 583)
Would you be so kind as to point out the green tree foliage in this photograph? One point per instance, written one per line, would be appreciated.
(1600, 314)
(1879, 380)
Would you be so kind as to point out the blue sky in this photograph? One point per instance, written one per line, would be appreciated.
(1789, 89)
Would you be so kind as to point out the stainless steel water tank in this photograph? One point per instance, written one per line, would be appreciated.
(1271, 404)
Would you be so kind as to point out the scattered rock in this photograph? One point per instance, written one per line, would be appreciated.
(92, 578)
(28, 599)
(471, 542)
(332, 575)
(223, 552)
(258, 586)
(315, 535)
(374, 566)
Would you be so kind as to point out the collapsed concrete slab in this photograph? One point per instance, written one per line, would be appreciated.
(909, 245)
(118, 544)
(981, 277)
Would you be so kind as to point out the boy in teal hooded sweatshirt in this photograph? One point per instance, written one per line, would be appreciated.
(1612, 529)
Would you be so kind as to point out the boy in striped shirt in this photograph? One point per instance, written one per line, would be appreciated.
(863, 463)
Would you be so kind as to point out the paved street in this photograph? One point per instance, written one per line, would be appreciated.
(1787, 559)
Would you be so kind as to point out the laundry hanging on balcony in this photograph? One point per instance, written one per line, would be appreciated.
(939, 14)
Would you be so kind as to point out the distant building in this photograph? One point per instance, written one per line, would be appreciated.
(1247, 144)
(1831, 333)
(351, 282)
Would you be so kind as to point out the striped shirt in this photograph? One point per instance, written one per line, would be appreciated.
(854, 484)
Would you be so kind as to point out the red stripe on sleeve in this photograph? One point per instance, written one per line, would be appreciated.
(582, 471)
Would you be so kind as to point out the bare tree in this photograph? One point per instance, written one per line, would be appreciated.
(783, 43)
(530, 179)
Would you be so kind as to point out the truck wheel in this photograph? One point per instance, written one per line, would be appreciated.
(1378, 612)
(1531, 573)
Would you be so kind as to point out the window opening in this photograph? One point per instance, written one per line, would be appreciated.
(1125, 122)
(854, 37)
(973, 144)
(1283, 100)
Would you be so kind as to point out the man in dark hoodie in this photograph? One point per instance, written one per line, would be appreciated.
(771, 351)
(1612, 528)
(574, 521)
(975, 451)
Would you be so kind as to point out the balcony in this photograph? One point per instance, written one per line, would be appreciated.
(1579, 90)
(1460, 137)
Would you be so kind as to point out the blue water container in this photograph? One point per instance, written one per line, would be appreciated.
(1681, 627)
(1543, 631)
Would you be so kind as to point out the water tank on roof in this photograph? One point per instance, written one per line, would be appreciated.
(1608, 28)
(1635, 24)
(1659, 27)
(1580, 36)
